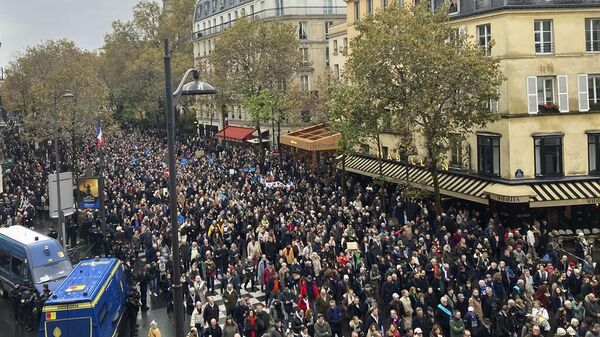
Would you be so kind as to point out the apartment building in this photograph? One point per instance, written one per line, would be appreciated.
(312, 19)
(541, 159)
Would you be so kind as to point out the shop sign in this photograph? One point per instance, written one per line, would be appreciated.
(510, 198)
(595, 200)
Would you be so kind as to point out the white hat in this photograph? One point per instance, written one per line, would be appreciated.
(561, 332)
(418, 330)
(471, 309)
(153, 324)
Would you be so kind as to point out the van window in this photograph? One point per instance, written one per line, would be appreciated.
(52, 272)
(102, 314)
(17, 266)
(4, 260)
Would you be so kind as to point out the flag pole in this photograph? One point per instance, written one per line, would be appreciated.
(101, 181)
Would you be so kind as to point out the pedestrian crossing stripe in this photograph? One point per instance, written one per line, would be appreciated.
(50, 316)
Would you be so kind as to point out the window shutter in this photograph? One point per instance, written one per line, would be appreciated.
(584, 103)
(532, 99)
(493, 105)
(563, 93)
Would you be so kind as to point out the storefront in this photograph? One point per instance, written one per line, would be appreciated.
(571, 201)
(313, 146)
(236, 134)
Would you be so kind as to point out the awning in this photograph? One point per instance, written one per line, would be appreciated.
(236, 133)
(451, 184)
(511, 194)
(314, 138)
(577, 191)
(566, 193)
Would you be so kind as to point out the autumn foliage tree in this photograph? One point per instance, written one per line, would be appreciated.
(256, 61)
(430, 79)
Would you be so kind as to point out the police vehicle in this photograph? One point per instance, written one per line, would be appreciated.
(89, 303)
(31, 259)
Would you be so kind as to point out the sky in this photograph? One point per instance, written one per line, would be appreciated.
(29, 22)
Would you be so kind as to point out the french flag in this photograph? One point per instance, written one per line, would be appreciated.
(99, 138)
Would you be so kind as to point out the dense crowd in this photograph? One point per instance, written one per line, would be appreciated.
(332, 257)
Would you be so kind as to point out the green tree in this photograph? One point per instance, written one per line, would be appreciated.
(37, 78)
(252, 57)
(132, 65)
(432, 79)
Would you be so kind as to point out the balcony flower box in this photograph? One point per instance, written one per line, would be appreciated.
(549, 108)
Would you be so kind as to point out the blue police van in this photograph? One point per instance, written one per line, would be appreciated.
(31, 259)
(89, 303)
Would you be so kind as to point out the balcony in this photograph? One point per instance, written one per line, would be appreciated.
(470, 7)
(274, 13)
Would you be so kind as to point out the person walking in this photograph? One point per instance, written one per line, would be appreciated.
(154, 330)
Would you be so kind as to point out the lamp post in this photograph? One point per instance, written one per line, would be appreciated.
(61, 216)
(195, 87)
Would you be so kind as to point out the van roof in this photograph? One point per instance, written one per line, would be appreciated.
(23, 235)
(86, 281)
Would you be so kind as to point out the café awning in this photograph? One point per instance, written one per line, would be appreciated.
(314, 138)
(236, 133)
(568, 191)
(583, 192)
(451, 184)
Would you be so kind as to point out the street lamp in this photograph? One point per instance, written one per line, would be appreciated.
(61, 216)
(195, 87)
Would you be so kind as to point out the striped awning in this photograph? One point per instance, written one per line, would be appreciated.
(451, 184)
(566, 193)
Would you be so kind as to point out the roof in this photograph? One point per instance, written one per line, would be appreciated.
(238, 133)
(314, 138)
(85, 282)
(23, 235)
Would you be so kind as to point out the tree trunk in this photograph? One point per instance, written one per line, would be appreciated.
(344, 187)
(379, 158)
(261, 153)
(436, 189)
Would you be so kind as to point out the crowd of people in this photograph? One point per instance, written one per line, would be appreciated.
(331, 257)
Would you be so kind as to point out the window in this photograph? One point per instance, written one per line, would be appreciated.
(548, 156)
(345, 44)
(243, 12)
(594, 153)
(356, 10)
(385, 151)
(4, 260)
(327, 60)
(304, 53)
(214, 5)
(369, 6)
(384, 3)
(335, 47)
(364, 148)
(594, 91)
(545, 90)
(302, 30)
(251, 9)
(336, 70)
(543, 36)
(484, 36)
(549, 94)
(102, 314)
(592, 34)
(455, 152)
(488, 155)
(229, 19)
(305, 82)
(328, 24)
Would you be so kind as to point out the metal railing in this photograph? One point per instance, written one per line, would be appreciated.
(272, 13)
(467, 7)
